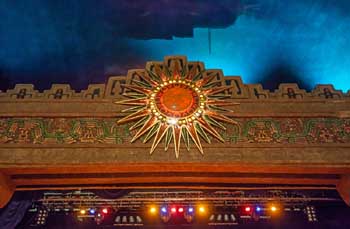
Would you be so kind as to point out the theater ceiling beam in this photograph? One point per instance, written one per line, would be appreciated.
(174, 180)
(215, 167)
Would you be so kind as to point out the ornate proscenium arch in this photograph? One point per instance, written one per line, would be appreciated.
(67, 140)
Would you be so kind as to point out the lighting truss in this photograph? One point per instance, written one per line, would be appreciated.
(75, 200)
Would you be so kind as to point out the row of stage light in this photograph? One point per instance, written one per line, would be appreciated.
(166, 212)
(179, 209)
(200, 209)
(203, 209)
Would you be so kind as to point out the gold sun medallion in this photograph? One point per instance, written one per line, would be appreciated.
(175, 106)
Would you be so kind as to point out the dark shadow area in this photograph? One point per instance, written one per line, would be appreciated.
(282, 73)
(5, 82)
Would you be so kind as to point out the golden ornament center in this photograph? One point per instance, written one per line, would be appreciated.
(177, 102)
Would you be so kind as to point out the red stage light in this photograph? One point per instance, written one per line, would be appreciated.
(105, 211)
(181, 210)
(247, 209)
(173, 210)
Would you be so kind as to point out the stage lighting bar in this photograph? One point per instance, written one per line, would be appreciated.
(311, 213)
(128, 220)
(59, 201)
(222, 219)
(105, 210)
(41, 216)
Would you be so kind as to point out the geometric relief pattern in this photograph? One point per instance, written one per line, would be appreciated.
(62, 131)
(113, 89)
(106, 131)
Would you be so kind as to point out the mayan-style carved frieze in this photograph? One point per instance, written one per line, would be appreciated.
(113, 89)
(77, 131)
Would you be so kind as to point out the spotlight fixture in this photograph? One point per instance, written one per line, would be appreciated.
(311, 213)
(164, 210)
(153, 210)
(41, 217)
(201, 209)
(173, 210)
(105, 211)
(273, 208)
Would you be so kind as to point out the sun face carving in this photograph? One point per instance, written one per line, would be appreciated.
(177, 100)
(175, 106)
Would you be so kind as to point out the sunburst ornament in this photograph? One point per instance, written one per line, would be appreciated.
(175, 106)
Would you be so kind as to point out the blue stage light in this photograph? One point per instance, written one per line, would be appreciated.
(92, 211)
(163, 209)
(190, 209)
(258, 209)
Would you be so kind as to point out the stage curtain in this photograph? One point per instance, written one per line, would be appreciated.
(12, 214)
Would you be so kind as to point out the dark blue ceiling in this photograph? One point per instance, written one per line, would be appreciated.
(264, 41)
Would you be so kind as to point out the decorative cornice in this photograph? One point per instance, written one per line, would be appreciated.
(247, 132)
(114, 90)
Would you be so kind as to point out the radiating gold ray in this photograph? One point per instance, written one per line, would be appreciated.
(134, 116)
(148, 79)
(163, 128)
(214, 122)
(219, 102)
(210, 129)
(191, 73)
(220, 109)
(177, 137)
(139, 89)
(133, 109)
(151, 132)
(204, 81)
(160, 73)
(154, 76)
(136, 102)
(139, 123)
(168, 138)
(186, 138)
(202, 133)
(220, 117)
(148, 125)
(133, 95)
(194, 136)
(216, 90)
(176, 72)
(219, 96)
(212, 84)
(142, 84)
(197, 76)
